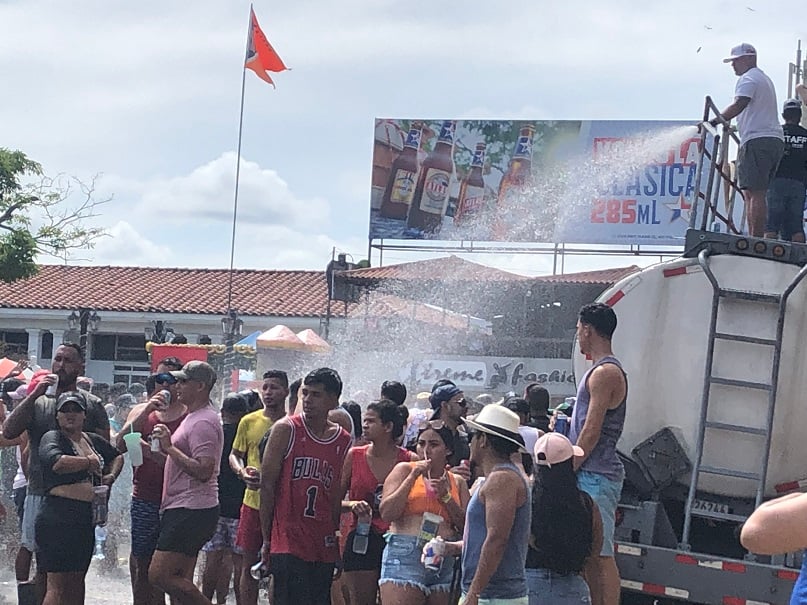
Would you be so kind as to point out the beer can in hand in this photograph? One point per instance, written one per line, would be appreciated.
(433, 554)
(562, 424)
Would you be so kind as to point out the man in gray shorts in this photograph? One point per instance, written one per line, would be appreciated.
(761, 137)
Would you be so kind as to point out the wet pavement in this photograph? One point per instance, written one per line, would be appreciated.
(101, 589)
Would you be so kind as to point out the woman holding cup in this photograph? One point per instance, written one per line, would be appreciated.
(72, 461)
(421, 500)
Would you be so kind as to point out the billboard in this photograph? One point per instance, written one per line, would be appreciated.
(495, 375)
(597, 182)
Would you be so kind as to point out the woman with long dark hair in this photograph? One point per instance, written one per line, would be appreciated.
(366, 468)
(566, 527)
(421, 498)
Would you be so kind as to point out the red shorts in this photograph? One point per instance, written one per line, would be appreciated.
(249, 538)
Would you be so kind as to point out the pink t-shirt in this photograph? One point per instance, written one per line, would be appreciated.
(199, 436)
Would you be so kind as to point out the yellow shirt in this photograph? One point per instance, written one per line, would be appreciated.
(251, 430)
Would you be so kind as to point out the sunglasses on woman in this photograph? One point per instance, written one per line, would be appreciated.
(431, 424)
(164, 378)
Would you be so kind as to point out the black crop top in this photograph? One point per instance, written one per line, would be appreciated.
(55, 444)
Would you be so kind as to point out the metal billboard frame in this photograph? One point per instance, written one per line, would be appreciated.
(559, 251)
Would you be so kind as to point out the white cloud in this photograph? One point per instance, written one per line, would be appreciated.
(207, 194)
(123, 245)
(187, 221)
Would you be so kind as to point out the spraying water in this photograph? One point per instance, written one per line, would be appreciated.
(566, 192)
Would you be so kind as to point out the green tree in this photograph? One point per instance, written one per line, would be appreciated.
(39, 215)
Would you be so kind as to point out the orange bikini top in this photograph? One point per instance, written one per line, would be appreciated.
(419, 501)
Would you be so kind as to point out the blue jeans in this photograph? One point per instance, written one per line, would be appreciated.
(785, 202)
(545, 587)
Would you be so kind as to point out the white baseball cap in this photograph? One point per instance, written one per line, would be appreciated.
(741, 50)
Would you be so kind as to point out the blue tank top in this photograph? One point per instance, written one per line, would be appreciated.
(799, 596)
(603, 460)
(508, 581)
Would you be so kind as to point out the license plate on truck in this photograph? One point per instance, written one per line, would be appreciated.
(710, 506)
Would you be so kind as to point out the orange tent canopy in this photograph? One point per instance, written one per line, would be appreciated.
(280, 337)
(313, 341)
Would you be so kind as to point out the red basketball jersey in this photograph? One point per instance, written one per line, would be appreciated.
(308, 485)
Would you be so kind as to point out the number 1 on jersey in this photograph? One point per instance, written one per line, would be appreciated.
(310, 502)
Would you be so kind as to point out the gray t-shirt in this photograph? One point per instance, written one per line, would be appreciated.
(44, 420)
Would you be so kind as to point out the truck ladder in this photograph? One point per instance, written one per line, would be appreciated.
(706, 426)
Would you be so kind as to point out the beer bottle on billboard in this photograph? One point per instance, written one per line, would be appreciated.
(431, 193)
(402, 179)
(514, 183)
(472, 189)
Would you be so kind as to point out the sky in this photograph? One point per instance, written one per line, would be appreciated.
(146, 95)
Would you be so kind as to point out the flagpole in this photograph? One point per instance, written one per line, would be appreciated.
(238, 169)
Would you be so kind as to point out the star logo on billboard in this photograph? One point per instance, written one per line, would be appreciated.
(680, 209)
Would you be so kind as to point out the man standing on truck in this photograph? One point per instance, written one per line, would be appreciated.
(761, 138)
(596, 425)
(786, 193)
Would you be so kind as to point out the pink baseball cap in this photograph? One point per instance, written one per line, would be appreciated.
(20, 393)
(554, 448)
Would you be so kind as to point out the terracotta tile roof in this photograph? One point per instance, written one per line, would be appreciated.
(162, 290)
(447, 268)
(601, 277)
(389, 306)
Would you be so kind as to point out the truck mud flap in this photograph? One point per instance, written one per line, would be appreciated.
(697, 578)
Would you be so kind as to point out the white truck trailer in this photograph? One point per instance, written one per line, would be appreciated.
(714, 346)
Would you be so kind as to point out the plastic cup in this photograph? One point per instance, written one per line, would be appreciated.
(133, 447)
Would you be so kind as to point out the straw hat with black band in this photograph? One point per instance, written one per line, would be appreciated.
(499, 421)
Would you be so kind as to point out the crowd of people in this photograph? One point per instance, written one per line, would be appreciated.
(456, 501)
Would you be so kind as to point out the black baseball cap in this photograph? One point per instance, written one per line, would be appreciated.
(71, 397)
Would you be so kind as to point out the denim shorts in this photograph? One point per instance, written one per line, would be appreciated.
(31, 508)
(401, 566)
(545, 587)
(605, 492)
